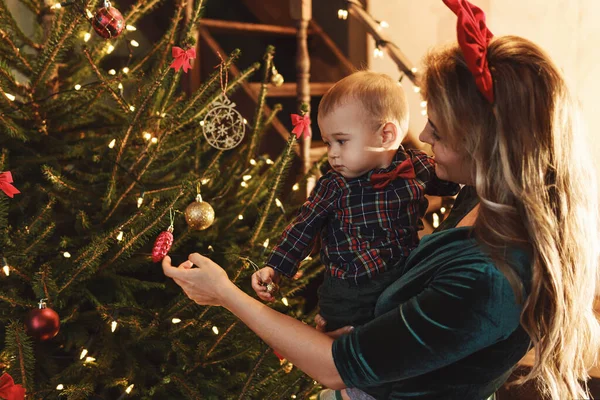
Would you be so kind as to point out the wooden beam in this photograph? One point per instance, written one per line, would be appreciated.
(289, 89)
(214, 46)
(335, 50)
(217, 25)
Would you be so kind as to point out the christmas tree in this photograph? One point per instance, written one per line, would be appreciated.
(115, 168)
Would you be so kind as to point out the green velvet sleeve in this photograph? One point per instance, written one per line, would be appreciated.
(450, 313)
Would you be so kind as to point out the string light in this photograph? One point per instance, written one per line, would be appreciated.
(10, 96)
(112, 72)
(134, 43)
(210, 248)
(132, 108)
(60, 386)
(129, 388)
(113, 326)
(5, 266)
(423, 103)
(205, 181)
(83, 354)
(442, 210)
(247, 177)
(279, 205)
(154, 140)
(295, 187)
(252, 161)
(140, 200)
(284, 300)
(112, 143)
(436, 220)
(215, 330)
(57, 6)
(414, 70)
(89, 359)
(77, 87)
(120, 236)
(383, 24)
(245, 121)
(66, 254)
(147, 135)
(89, 14)
(125, 70)
(87, 36)
(342, 14)
(201, 123)
(131, 28)
(110, 49)
(417, 89)
(240, 217)
(423, 112)
(377, 52)
(269, 161)
(244, 184)
(175, 320)
(308, 258)
(266, 243)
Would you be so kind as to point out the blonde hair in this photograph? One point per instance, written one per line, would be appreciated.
(382, 98)
(537, 190)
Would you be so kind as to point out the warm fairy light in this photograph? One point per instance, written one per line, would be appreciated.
(377, 52)
(278, 202)
(205, 181)
(154, 140)
(266, 243)
(125, 70)
(284, 300)
(5, 266)
(442, 210)
(423, 112)
(147, 135)
(129, 388)
(175, 320)
(140, 200)
(293, 396)
(10, 96)
(247, 177)
(60, 386)
(342, 14)
(436, 220)
(120, 86)
(269, 161)
(57, 6)
(89, 14)
(120, 236)
(66, 254)
(295, 187)
(132, 108)
(87, 36)
(83, 354)
(112, 143)
(417, 89)
(110, 49)
(245, 121)
(89, 359)
(112, 72)
(252, 161)
(414, 70)
(210, 248)
(131, 28)
(77, 87)
(308, 258)
(240, 217)
(163, 115)
(113, 326)
(244, 184)
(201, 123)
(215, 330)
(134, 43)
(384, 24)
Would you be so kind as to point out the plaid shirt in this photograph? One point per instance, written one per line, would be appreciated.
(364, 231)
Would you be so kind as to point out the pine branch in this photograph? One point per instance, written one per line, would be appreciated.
(100, 77)
(268, 58)
(15, 50)
(254, 370)
(7, 20)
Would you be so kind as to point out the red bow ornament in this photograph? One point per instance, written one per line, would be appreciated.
(8, 389)
(403, 170)
(182, 58)
(5, 184)
(473, 39)
(301, 126)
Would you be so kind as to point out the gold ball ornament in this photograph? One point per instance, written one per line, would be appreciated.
(199, 215)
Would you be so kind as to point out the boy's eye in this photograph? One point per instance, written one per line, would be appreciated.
(341, 142)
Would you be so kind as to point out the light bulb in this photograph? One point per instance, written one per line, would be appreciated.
(112, 143)
(377, 52)
(417, 89)
(201, 123)
(66, 254)
(244, 184)
(134, 43)
(175, 320)
(414, 70)
(436, 220)
(284, 300)
(60, 386)
(147, 135)
(278, 202)
(266, 243)
(252, 161)
(110, 48)
(442, 210)
(215, 330)
(120, 236)
(247, 177)
(131, 28)
(154, 140)
(125, 70)
(129, 388)
(140, 200)
(113, 326)
(6, 270)
(423, 103)
(423, 112)
(87, 36)
(295, 187)
(205, 181)
(83, 354)
(269, 161)
(10, 96)
(240, 217)
(77, 87)
(89, 359)
(57, 6)
(342, 14)
(132, 108)
(384, 24)
(245, 121)
(112, 72)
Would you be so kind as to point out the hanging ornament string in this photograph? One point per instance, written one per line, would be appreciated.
(223, 71)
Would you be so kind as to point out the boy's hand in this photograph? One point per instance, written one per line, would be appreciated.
(260, 280)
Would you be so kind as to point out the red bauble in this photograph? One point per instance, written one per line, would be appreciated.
(108, 22)
(162, 245)
(42, 323)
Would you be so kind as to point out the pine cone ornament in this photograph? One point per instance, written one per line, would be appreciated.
(162, 245)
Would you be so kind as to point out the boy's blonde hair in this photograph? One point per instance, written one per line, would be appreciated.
(382, 98)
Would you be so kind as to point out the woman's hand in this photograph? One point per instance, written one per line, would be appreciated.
(204, 284)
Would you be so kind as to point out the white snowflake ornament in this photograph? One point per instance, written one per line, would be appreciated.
(223, 125)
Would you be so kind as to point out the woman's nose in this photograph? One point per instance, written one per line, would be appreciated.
(424, 136)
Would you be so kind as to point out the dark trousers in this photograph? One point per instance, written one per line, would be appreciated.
(344, 302)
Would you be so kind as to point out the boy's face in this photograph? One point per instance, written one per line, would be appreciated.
(354, 147)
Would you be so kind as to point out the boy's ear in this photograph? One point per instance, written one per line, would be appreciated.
(389, 134)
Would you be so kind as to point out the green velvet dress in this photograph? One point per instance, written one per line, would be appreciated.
(447, 329)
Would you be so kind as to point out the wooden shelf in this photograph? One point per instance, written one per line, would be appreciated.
(222, 26)
(289, 89)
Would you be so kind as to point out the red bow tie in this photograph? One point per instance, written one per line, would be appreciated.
(404, 170)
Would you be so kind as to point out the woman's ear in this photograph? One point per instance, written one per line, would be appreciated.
(389, 134)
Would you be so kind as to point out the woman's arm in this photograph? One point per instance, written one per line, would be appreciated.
(305, 347)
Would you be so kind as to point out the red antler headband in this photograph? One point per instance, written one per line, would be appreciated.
(473, 38)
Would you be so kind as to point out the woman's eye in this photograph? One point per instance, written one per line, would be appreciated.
(435, 135)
